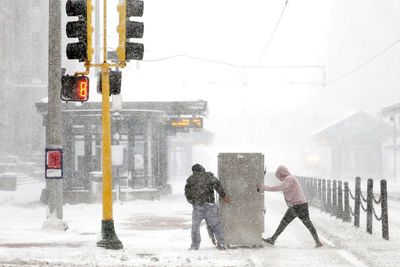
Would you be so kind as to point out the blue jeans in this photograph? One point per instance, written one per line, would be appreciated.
(208, 212)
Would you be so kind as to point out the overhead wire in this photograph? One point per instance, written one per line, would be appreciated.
(366, 62)
(240, 68)
(273, 33)
(362, 65)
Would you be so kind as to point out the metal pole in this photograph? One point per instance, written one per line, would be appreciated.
(370, 202)
(334, 199)
(53, 128)
(109, 237)
(315, 191)
(384, 208)
(97, 32)
(319, 193)
(329, 197)
(357, 202)
(346, 214)
(340, 200)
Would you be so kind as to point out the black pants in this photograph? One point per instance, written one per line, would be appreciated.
(300, 211)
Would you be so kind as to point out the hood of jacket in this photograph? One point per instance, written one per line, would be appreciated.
(282, 172)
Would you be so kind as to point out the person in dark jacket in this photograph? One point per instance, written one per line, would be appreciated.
(199, 191)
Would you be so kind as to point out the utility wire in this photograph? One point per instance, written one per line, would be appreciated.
(232, 64)
(240, 68)
(273, 33)
(364, 63)
(191, 57)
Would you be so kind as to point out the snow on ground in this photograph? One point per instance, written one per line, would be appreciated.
(157, 233)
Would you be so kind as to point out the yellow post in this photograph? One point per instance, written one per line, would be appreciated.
(121, 29)
(106, 163)
(109, 237)
(89, 30)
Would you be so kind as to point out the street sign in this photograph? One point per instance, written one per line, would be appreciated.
(186, 122)
(54, 164)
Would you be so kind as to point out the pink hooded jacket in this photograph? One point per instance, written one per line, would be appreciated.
(290, 187)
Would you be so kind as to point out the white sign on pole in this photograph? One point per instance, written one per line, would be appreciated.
(117, 153)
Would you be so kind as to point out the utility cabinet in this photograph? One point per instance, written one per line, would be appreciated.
(243, 217)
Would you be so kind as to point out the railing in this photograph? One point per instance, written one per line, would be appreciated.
(334, 197)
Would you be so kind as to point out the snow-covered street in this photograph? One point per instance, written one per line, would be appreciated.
(157, 233)
(126, 124)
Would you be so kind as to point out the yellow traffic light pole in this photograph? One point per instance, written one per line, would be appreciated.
(109, 237)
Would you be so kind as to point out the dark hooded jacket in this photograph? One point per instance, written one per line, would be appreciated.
(200, 186)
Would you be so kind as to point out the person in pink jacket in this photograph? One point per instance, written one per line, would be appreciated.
(296, 201)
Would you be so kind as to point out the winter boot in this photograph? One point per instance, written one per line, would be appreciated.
(319, 244)
(270, 241)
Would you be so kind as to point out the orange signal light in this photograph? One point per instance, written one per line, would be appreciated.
(83, 85)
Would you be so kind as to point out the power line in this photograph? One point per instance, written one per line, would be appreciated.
(273, 33)
(366, 62)
(191, 57)
(240, 68)
(233, 64)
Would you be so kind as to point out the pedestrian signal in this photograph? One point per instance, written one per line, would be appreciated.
(75, 88)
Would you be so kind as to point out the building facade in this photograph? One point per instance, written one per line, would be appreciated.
(23, 75)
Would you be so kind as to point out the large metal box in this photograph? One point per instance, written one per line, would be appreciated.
(243, 217)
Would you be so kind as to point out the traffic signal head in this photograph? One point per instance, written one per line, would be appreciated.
(130, 29)
(75, 88)
(115, 79)
(81, 29)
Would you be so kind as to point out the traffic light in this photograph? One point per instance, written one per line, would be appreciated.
(130, 29)
(81, 29)
(115, 82)
(75, 88)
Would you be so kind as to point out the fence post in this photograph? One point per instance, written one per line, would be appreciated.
(309, 197)
(310, 190)
(324, 207)
(334, 199)
(307, 182)
(384, 210)
(339, 212)
(315, 188)
(370, 202)
(329, 197)
(357, 202)
(346, 213)
(320, 193)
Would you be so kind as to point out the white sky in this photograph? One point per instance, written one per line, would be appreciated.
(337, 34)
(184, 40)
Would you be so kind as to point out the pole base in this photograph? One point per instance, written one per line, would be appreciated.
(110, 239)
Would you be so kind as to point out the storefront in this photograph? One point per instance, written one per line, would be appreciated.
(140, 133)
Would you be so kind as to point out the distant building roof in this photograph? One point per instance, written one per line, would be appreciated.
(171, 108)
(357, 125)
(391, 110)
